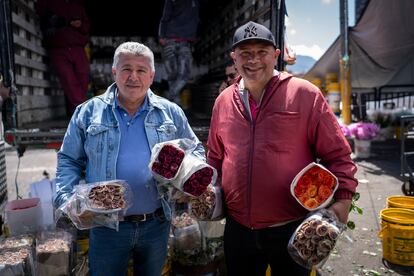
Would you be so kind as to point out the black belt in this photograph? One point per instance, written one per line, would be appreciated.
(144, 217)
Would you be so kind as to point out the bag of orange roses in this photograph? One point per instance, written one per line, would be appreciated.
(314, 187)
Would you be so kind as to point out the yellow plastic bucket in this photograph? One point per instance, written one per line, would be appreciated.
(397, 234)
(406, 202)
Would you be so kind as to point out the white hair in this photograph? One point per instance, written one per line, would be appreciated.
(136, 49)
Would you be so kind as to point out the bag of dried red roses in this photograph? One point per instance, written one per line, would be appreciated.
(208, 206)
(315, 238)
(97, 204)
(314, 186)
(167, 159)
(195, 175)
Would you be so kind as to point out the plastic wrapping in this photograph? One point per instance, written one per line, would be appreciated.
(16, 262)
(314, 186)
(167, 158)
(53, 250)
(16, 255)
(208, 206)
(315, 238)
(186, 233)
(195, 175)
(97, 204)
(17, 242)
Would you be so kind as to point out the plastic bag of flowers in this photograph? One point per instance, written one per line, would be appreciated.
(315, 238)
(208, 206)
(53, 252)
(167, 158)
(97, 204)
(195, 175)
(186, 233)
(313, 187)
(16, 255)
(213, 235)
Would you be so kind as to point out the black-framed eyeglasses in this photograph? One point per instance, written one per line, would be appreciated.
(231, 76)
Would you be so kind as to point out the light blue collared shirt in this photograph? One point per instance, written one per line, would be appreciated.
(133, 159)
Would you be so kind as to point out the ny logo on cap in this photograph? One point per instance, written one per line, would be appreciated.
(250, 31)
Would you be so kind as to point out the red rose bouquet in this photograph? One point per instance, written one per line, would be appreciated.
(167, 159)
(314, 186)
(195, 176)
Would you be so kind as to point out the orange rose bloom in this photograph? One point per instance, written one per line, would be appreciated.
(312, 190)
(324, 191)
(299, 190)
(311, 203)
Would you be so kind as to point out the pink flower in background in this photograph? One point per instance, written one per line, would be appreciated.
(364, 131)
(345, 130)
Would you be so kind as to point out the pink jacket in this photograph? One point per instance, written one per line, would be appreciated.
(258, 160)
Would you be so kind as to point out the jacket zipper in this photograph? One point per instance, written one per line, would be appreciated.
(251, 154)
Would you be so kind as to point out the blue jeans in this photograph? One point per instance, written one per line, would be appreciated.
(146, 242)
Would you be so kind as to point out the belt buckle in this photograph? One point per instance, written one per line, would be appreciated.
(145, 217)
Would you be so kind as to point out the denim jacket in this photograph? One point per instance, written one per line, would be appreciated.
(91, 141)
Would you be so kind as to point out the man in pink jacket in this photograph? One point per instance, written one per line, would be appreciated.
(265, 128)
(65, 28)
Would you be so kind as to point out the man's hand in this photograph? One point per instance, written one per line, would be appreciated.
(79, 217)
(341, 209)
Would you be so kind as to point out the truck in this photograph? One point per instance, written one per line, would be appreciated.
(34, 115)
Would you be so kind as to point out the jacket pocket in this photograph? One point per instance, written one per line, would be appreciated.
(167, 131)
(283, 129)
(96, 138)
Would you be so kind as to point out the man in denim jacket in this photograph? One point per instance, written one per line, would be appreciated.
(111, 137)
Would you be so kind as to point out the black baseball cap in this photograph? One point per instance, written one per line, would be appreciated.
(252, 30)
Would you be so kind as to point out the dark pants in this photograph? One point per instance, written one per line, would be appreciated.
(249, 252)
(72, 68)
(177, 61)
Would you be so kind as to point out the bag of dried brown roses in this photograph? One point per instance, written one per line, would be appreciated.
(207, 206)
(97, 204)
(315, 238)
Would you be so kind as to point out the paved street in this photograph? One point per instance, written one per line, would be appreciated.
(358, 252)
(32, 165)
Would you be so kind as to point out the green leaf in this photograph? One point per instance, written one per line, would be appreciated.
(356, 196)
(359, 210)
(351, 225)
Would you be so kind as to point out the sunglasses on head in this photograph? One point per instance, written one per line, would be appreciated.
(231, 75)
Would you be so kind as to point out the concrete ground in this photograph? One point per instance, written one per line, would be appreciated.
(358, 252)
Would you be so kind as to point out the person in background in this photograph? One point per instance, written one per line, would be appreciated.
(265, 128)
(231, 75)
(111, 137)
(65, 28)
(177, 31)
